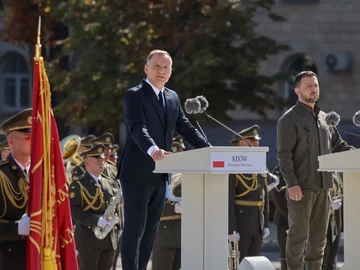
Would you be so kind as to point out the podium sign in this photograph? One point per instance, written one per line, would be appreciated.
(205, 187)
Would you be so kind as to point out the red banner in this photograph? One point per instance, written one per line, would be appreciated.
(51, 244)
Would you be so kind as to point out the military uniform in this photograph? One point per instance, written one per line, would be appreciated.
(4, 148)
(281, 215)
(248, 204)
(89, 200)
(14, 199)
(335, 226)
(107, 139)
(167, 246)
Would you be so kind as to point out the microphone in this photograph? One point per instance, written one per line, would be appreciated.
(193, 106)
(332, 119)
(356, 119)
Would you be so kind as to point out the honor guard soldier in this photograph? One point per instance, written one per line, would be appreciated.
(86, 143)
(5, 149)
(14, 221)
(167, 247)
(114, 154)
(248, 202)
(281, 215)
(335, 224)
(107, 139)
(90, 194)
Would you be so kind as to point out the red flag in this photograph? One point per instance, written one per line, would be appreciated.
(51, 244)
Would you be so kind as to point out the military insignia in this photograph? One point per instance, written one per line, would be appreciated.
(72, 195)
(174, 149)
(100, 150)
(108, 139)
(14, 167)
(29, 120)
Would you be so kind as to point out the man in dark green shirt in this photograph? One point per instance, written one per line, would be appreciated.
(303, 136)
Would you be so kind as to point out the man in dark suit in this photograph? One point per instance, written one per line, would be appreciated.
(248, 202)
(14, 222)
(90, 194)
(152, 113)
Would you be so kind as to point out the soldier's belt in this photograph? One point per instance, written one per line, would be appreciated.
(249, 203)
(174, 217)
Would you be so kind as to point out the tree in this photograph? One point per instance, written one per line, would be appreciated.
(215, 48)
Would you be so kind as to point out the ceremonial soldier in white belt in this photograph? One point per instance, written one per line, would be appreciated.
(90, 194)
(248, 202)
(14, 221)
(167, 247)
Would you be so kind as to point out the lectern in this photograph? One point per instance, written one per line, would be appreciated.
(204, 225)
(349, 163)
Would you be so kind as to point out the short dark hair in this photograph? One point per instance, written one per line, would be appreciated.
(300, 75)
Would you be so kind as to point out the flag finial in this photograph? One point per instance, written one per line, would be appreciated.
(38, 45)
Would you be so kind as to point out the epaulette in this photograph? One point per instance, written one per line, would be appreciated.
(110, 162)
(78, 173)
(3, 162)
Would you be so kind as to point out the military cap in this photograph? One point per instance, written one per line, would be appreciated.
(97, 152)
(114, 151)
(106, 139)
(19, 122)
(179, 140)
(4, 145)
(248, 133)
(86, 141)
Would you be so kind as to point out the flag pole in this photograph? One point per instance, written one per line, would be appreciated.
(38, 44)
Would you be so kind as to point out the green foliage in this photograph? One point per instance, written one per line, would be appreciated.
(215, 49)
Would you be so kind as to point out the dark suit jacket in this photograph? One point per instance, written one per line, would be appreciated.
(250, 220)
(146, 126)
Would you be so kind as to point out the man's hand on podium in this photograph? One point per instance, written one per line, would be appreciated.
(266, 232)
(159, 154)
(233, 237)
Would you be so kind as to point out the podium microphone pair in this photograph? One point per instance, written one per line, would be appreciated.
(333, 119)
(198, 105)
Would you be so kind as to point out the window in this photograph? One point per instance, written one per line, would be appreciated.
(15, 78)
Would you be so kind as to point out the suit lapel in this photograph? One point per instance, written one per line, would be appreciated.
(154, 99)
(168, 106)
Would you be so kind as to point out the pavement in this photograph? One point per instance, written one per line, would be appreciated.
(270, 250)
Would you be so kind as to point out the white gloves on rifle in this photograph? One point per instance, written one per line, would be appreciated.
(336, 204)
(177, 208)
(233, 237)
(102, 222)
(24, 225)
(266, 232)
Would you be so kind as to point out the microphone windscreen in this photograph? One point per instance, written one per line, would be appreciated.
(192, 106)
(332, 119)
(356, 119)
(204, 104)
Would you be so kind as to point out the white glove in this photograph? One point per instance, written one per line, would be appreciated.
(24, 225)
(177, 208)
(335, 205)
(102, 222)
(233, 237)
(266, 232)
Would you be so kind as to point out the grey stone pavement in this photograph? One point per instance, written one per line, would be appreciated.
(270, 250)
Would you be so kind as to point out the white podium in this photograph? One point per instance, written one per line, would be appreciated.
(349, 163)
(204, 225)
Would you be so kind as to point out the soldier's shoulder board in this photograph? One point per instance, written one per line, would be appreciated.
(3, 162)
(78, 173)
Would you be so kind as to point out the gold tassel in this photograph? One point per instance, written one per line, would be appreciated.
(49, 260)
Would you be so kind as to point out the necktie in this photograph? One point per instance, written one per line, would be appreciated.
(161, 101)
